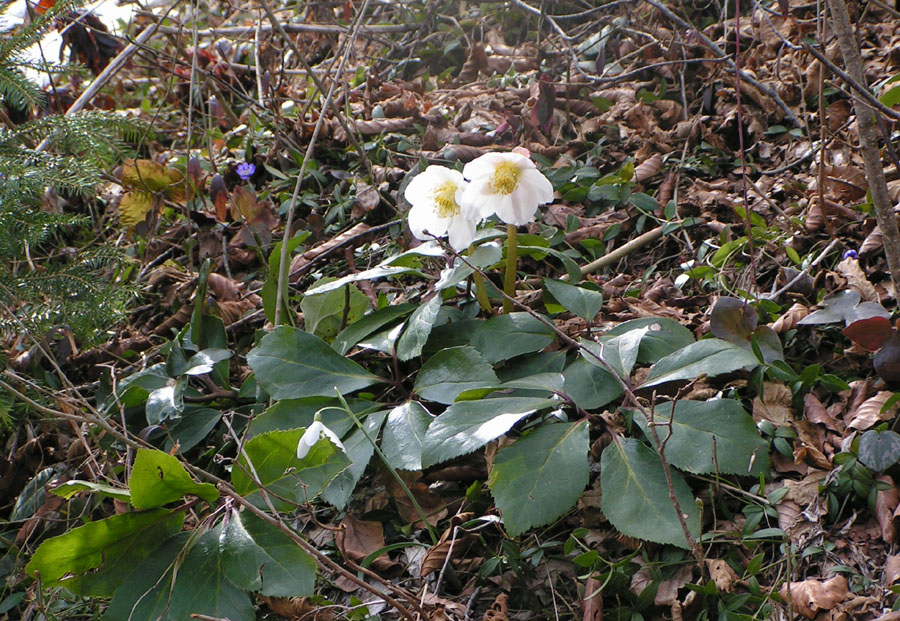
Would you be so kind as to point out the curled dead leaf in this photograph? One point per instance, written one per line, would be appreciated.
(872, 244)
(790, 318)
(811, 596)
(886, 503)
(722, 574)
(648, 169)
(869, 413)
(891, 572)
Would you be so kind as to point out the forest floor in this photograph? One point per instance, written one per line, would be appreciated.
(655, 149)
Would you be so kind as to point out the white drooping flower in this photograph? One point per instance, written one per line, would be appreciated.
(506, 184)
(434, 195)
(313, 434)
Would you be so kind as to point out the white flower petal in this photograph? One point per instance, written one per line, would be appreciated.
(421, 219)
(538, 186)
(462, 232)
(312, 435)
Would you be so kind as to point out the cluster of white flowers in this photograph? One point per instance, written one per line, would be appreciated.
(507, 185)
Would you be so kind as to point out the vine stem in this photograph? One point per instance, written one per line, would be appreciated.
(512, 262)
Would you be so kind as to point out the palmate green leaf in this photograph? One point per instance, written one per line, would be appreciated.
(112, 544)
(404, 435)
(165, 403)
(359, 449)
(506, 336)
(195, 580)
(636, 498)
(194, 424)
(418, 328)
(379, 271)
(290, 364)
(590, 386)
(357, 331)
(451, 371)
(710, 436)
(709, 356)
(540, 476)
(585, 303)
(323, 314)
(287, 571)
(293, 413)
(274, 458)
(146, 589)
(547, 383)
(70, 488)
(483, 257)
(469, 425)
(665, 336)
(618, 352)
(157, 478)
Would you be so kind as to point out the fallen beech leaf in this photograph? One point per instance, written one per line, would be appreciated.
(891, 572)
(790, 318)
(811, 596)
(886, 502)
(774, 405)
(869, 413)
(358, 538)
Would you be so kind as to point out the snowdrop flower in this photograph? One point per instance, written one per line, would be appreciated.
(434, 195)
(506, 184)
(313, 434)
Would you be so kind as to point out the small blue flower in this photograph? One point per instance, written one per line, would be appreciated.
(850, 254)
(245, 170)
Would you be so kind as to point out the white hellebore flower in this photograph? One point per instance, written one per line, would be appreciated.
(506, 184)
(313, 434)
(434, 195)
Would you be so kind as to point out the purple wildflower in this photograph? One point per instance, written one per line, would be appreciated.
(850, 254)
(245, 170)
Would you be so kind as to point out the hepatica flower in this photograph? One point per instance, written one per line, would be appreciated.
(434, 195)
(245, 170)
(313, 434)
(506, 184)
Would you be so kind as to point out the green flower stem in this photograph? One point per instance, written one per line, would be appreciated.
(512, 260)
(480, 291)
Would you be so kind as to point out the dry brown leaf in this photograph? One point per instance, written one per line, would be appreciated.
(815, 412)
(592, 604)
(872, 244)
(498, 610)
(774, 405)
(648, 169)
(811, 596)
(856, 279)
(722, 574)
(869, 413)
(359, 538)
(667, 590)
(450, 544)
(298, 608)
(891, 572)
(886, 503)
(790, 318)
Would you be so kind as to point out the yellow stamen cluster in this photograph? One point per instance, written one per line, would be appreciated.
(505, 178)
(445, 200)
